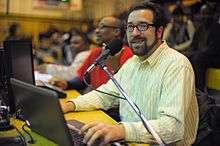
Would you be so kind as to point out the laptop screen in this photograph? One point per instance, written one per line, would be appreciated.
(42, 110)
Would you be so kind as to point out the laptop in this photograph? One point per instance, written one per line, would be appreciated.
(41, 110)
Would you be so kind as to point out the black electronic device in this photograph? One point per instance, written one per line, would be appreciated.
(109, 49)
(20, 60)
(20, 63)
(42, 112)
(7, 103)
(6, 97)
(60, 92)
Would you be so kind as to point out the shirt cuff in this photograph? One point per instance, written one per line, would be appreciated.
(135, 132)
(129, 131)
(75, 104)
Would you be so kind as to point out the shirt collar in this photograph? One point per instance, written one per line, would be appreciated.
(153, 57)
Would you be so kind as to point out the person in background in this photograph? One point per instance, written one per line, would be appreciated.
(160, 81)
(204, 52)
(68, 53)
(43, 52)
(79, 43)
(56, 45)
(14, 32)
(109, 28)
(180, 31)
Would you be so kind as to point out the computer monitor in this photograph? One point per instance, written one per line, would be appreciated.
(20, 59)
(17, 62)
(6, 97)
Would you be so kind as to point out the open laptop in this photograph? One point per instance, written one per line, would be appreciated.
(42, 111)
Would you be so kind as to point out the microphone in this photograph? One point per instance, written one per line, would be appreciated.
(111, 48)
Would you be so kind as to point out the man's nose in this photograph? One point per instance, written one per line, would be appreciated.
(135, 32)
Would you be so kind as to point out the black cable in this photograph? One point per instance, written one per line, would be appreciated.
(89, 85)
(109, 94)
(31, 141)
(21, 136)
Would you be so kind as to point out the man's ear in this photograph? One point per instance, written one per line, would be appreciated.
(159, 32)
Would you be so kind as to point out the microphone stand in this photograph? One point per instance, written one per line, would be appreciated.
(146, 124)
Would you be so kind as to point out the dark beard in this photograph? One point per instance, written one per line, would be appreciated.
(148, 50)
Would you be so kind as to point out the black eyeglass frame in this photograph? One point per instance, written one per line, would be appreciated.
(139, 27)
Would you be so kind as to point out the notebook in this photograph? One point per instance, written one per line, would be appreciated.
(42, 111)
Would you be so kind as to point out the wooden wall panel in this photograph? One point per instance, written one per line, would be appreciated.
(34, 21)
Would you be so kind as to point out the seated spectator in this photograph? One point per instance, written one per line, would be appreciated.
(56, 45)
(14, 32)
(109, 28)
(204, 52)
(180, 31)
(43, 52)
(79, 44)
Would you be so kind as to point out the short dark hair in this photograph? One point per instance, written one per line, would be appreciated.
(83, 36)
(158, 12)
(13, 28)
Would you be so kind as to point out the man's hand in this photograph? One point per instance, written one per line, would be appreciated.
(67, 106)
(58, 82)
(106, 133)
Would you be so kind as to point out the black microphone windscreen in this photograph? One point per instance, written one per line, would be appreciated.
(114, 46)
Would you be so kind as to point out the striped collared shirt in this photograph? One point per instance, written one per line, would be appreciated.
(162, 86)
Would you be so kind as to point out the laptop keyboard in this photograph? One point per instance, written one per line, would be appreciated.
(77, 138)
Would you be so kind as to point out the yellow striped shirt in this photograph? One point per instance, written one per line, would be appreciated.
(163, 88)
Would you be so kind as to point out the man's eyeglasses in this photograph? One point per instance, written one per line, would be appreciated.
(140, 27)
(106, 26)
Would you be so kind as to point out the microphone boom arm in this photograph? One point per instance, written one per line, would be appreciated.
(145, 122)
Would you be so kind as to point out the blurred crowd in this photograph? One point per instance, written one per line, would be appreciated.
(193, 32)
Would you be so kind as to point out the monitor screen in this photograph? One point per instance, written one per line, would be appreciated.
(20, 60)
(18, 64)
(6, 97)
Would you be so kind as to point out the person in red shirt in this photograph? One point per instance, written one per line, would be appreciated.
(97, 76)
(109, 28)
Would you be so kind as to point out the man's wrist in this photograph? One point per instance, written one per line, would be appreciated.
(70, 105)
(122, 131)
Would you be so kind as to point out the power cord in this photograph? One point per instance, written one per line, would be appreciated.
(21, 136)
(89, 85)
(31, 141)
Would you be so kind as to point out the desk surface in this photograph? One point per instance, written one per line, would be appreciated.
(81, 116)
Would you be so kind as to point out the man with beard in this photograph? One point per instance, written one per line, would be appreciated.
(160, 81)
